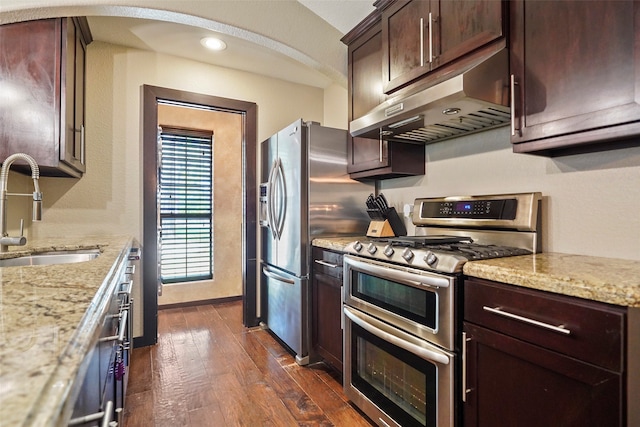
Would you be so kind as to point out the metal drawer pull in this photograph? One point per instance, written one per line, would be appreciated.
(105, 415)
(122, 326)
(326, 264)
(497, 310)
(465, 390)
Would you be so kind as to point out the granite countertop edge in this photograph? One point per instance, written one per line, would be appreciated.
(53, 381)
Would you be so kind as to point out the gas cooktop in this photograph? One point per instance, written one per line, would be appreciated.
(454, 230)
(448, 256)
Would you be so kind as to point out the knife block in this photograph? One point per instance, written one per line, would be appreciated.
(380, 228)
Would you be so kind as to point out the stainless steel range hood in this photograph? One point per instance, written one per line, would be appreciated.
(475, 99)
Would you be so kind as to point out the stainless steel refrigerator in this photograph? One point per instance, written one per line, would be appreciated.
(305, 192)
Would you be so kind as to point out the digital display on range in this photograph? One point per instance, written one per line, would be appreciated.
(464, 207)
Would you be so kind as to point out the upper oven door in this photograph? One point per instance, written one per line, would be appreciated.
(416, 301)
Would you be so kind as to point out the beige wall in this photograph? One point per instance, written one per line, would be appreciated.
(227, 203)
(108, 198)
(591, 202)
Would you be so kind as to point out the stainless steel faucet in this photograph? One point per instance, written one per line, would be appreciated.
(5, 240)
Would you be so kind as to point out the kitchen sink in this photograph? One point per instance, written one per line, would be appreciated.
(53, 257)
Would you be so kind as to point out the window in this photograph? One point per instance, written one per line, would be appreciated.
(186, 205)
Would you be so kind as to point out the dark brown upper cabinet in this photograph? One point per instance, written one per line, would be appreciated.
(42, 67)
(575, 75)
(420, 36)
(373, 158)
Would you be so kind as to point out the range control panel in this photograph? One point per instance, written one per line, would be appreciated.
(516, 211)
(472, 209)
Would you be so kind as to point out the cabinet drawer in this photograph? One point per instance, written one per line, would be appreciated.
(327, 262)
(593, 331)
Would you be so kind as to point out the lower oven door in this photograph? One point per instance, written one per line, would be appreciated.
(397, 379)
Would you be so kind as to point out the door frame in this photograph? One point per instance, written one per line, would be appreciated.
(249, 110)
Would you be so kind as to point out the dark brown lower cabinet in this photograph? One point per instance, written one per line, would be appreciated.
(327, 306)
(514, 383)
(559, 362)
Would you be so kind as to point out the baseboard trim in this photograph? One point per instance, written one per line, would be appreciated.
(200, 302)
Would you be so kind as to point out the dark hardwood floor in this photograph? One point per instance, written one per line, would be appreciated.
(209, 370)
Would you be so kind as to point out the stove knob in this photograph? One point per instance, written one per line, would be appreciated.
(431, 258)
(407, 254)
(372, 249)
(357, 246)
(388, 250)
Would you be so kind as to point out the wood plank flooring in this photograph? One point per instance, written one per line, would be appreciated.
(209, 370)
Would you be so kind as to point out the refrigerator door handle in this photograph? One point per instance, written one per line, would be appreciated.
(281, 198)
(277, 277)
(270, 201)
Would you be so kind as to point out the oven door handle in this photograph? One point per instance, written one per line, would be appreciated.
(411, 348)
(388, 272)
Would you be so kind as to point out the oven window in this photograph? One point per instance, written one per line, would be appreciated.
(398, 382)
(419, 305)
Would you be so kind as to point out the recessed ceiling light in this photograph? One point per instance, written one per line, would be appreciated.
(213, 43)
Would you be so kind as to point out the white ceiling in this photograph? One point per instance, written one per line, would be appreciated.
(275, 55)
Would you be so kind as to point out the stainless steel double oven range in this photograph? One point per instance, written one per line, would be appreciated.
(403, 345)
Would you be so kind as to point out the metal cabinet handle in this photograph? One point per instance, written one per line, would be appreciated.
(122, 327)
(326, 264)
(430, 37)
(465, 390)
(513, 106)
(380, 155)
(82, 145)
(498, 310)
(125, 288)
(422, 42)
(106, 416)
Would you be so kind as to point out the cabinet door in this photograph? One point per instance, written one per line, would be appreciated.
(367, 154)
(384, 159)
(72, 144)
(405, 43)
(40, 61)
(420, 36)
(30, 74)
(327, 306)
(365, 72)
(574, 88)
(461, 27)
(514, 383)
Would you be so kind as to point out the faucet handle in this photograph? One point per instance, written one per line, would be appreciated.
(21, 227)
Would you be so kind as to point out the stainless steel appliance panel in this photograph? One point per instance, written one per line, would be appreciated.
(269, 150)
(305, 192)
(336, 202)
(287, 314)
(290, 199)
(397, 379)
(415, 301)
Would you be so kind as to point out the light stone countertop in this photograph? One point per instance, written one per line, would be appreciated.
(609, 280)
(336, 243)
(49, 319)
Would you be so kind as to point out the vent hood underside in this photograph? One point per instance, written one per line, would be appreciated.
(474, 100)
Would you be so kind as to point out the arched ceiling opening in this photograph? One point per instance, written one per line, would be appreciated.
(281, 38)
